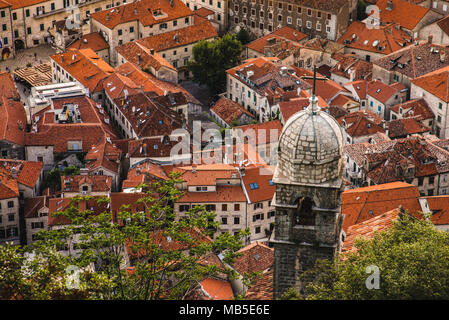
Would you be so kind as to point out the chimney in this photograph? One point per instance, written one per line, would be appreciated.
(442, 56)
(429, 39)
(389, 5)
(108, 17)
(62, 58)
(172, 3)
(138, 59)
(152, 51)
(84, 171)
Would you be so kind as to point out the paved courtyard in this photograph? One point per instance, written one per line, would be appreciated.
(26, 56)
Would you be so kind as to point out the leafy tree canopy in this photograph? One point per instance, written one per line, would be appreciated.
(211, 59)
(412, 259)
(166, 254)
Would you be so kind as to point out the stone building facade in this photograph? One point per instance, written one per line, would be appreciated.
(323, 19)
(308, 182)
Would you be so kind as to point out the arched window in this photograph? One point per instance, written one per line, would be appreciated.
(304, 215)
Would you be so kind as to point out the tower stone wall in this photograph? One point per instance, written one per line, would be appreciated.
(308, 182)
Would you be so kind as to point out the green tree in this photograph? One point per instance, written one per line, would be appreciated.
(412, 259)
(71, 171)
(243, 36)
(167, 254)
(211, 59)
(361, 10)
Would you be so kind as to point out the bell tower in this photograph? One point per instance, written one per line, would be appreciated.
(309, 183)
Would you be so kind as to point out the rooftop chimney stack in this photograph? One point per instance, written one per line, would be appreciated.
(430, 39)
(138, 59)
(390, 5)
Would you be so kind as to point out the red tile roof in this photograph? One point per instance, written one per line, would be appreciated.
(148, 61)
(216, 289)
(261, 175)
(368, 228)
(89, 131)
(254, 257)
(439, 206)
(416, 108)
(25, 172)
(12, 112)
(415, 60)
(176, 38)
(436, 83)
(381, 40)
(406, 14)
(98, 183)
(262, 289)
(104, 154)
(401, 128)
(142, 11)
(360, 123)
(362, 204)
(9, 187)
(16, 4)
(283, 34)
(271, 130)
(229, 110)
(93, 41)
(33, 205)
(85, 66)
(381, 91)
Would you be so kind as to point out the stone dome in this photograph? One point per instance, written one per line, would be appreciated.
(310, 148)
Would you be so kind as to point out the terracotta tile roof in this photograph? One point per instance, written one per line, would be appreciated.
(204, 12)
(361, 204)
(33, 205)
(150, 83)
(285, 34)
(142, 11)
(98, 183)
(4, 4)
(262, 289)
(436, 83)
(85, 66)
(61, 204)
(360, 123)
(9, 187)
(350, 67)
(415, 60)
(268, 77)
(254, 257)
(406, 14)
(104, 154)
(289, 108)
(323, 45)
(368, 228)
(175, 38)
(229, 110)
(221, 195)
(416, 108)
(148, 61)
(389, 161)
(444, 24)
(207, 174)
(268, 129)
(16, 4)
(93, 41)
(381, 91)
(50, 133)
(158, 147)
(25, 172)
(12, 112)
(144, 172)
(360, 88)
(401, 128)
(341, 100)
(439, 206)
(327, 90)
(216, 289)
(382, 40)
(260, 175)
(149, 119)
